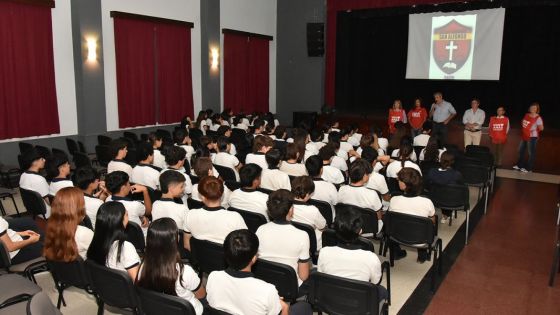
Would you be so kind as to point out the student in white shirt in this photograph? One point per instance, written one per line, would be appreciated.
(156, 140)
(65, 239)
(203, 166)
(261, 145)
(405, 150)
(162, 270)
(145, 173)
(22, 239)
(95, 193)
(109, 246)
(344, 144)
(119, 150)
(376, 180)
(410, 181)
(118, 185)
(421, 140)
(237, 123)
(224, 158)
(330, 173)
(302, 188)
(382, 141)
(337, 161)
(291, 166)
(433, 150)
(182, 139)
(315, 142)
(280, 241)
(354, 136)
(225, 131)
(324, 190)
(30, 179)
(272, 178)
(58, 169)
(175, 158)
(212, 222)
(259, 126)
(248, 197)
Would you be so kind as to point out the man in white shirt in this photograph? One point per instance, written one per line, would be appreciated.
(119, 150)
(272, 178)
(473, 119)
(182, 139)
(33, 163)
(421, 140)
(118, 185)
(145, 173)
(248, 197)
(224, 158)
(330, 173)
(261, 145)
(441, 113)
(95, 193)
(175, 158)
(324, 190)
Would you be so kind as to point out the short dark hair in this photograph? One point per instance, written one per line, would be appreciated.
(348, 224)
(174, 155)
(211, 188)
(446, 160)
(222, 143)
(240, 246)
(412, 179)
(316, 135)
(292, 151)
(327, 152)
(115, 180)
(116, 145)
(369, 154)
(258, 123)
(358, 169)
(262, 141)
(248, 173)
(302, 185)
(84, 176)
(427, 125)
(169, 178)
(279, 132)
(53, 163)
(154, 136)
(334, 136)
(279, 204)
(222, 130)
(202, 165)
(30, 156)
(179, 135)
(273, 158)
(144, 150)
(314, 164)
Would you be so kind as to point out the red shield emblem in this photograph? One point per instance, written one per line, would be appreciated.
(452, 46)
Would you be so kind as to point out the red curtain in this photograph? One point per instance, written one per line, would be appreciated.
(28, 105)
(246, 73)
(174, 82)
(333, 6)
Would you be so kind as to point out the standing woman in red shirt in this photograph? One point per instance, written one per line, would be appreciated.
(498, 129)
(417, 116)
(531, 127)
(396, 113)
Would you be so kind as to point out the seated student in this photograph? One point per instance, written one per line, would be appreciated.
(22, 239)
(172, 187)
(330, 173)
(30, 179)
(66, 239)
(203, 152)
(280, 241)
(203, 166)
(354, 136)
(248, 197)
(175, 159)
(280, 135)
(212, 222)
(376, 180)
(381, 140)
(402, 160)
(422, 139)
(182, 139)
(258, 126)
(433, 150)
(272, 178)
(357, 193)
(315, 141)
(226, 132)
(341, 154)
(156, 140)
(237, 123)
(261, 145)
(109, 246)
(118, 148)
(302, 188)
(369, 141)
(291, 166)
(337, 161)
(87, 179)
(412, 156)
(410, 181)
(162, 270)
(145, 173)
(224, 158)
(324, 190)
(58, 169)
(118, 185)
(346, 259)
(444, 175)
(344, 136)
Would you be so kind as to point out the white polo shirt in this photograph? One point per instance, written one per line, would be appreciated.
(92, 206)
(360, 196)
(159, 159)
(383, 143)
(129, 257)
(5, 229)
(332, 175)
(134, 208)
(325, 191)
(225, 197)
(394, 167)
(190, 151)
(250, 200)
(167, 208)
(412, 155)
(59, 183)
(34, 181)
(339, 163)
(377, 181)
(310, 215)
(119, 165)
(419, 206)
(227, 160)
(346, 146)
(188, 184)
(147, 175)
(293, 169)
(283, 243)
(239, 293)
(275, 179)
(256, 158)
(355, 139)
(421, 140)
(213, 224)
(83, 237)
(350, 262)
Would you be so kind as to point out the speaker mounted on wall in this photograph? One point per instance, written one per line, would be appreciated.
(315, 39)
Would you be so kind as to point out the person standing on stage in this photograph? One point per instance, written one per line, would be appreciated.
(396, 113)
(473, 119)
(531, 127)
(498, 129)
(441, 113)
(417, 116)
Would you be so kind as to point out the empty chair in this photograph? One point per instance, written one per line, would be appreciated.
(131, 136)
(24, 147)
(103, 140)
(325, 208)
(155, 303)
(452, 197)
(252, 219)
(28, 268)
(208, 256)
(36, 304)
(17, 289)
(103, 153)
(33, 202)
(69, 274)
(226, 173)
(72, 146)
(81, 160)
(282, 276)
(471, 148)
(135, 236)
(44, 152)
(82, 147)
(477, 176)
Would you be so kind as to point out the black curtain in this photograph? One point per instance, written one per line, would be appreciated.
(372, 54)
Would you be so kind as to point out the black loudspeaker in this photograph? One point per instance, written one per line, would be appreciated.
(304, 119)
(315, 39)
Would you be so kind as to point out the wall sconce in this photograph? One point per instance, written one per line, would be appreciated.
(91, 49)
(215, 55)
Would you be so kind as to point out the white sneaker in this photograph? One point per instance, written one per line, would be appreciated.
(443, 220)
(523, 170)
(515, 167)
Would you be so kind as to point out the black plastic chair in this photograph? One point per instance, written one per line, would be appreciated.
(81, 160)
(103, 153)
(82, 147)
(33, 203)
(486, 159)
(135, 236)
(131, 136)
(86, 222)
(312, 239)
(282, 276)
(232, 185)
(213, 311)
(194, 204)
(165, 134)
(477, 176)
(104, 140)
(69, 274)
(418, 150)
(426, 166)
(341, 296)
(413, 231)
(471, 148)
(369, 217)
(452, 197)
(28, 268)
(113, 287)
(24, 147)
(208, 256)
(194, 179)
(72, 146)
(325, 208)
(252, 219)
(155, 303)
(329, 238)
(226, 173)
(43, 151)
(59, 153)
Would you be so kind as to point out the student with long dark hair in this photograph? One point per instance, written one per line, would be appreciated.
(162, 270)
(403, 160)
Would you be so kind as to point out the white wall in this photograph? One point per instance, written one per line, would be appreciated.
(255, 16)
(183, 10)
(63, 71)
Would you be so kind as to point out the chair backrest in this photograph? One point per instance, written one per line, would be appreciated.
(81, 160)
(43, 151)
(131, 136)
(103, 153)
(474, 174)
(155, 303)
(340, 296)
(194, 204)
(311, 233)
(33, 202)
(59, 153)
(486, 158)
(231, 185)
(226, 173)
(70, 273)
(208, 256)
(82, 147)
(72, 146)
(252, 219)
(409, 229)
(368, 216)
(131, 157)
(114, 287)
(213, 311)
(426, 166)
(103, 140)
(471, 148)
(194, 179)
(20, 162)
(24, 147)
(329, 238)
(450, 196)
(40, 304)
(135, 236)
(283, 277)
(325, 209)
(264, 190)
(5, 260)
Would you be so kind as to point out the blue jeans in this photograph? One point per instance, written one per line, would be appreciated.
(531, 147)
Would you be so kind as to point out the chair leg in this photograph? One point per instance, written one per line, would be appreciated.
(554, 269)
(15, 205)
(467, 228)
(100, 306)
(388, 271)
(486, 201)
(391, 254)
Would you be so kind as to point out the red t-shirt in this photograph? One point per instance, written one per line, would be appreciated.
(416, 117)
(394, 116)
(526, 126)
(498, 128)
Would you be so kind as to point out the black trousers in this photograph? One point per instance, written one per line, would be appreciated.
(31, 251)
